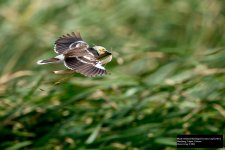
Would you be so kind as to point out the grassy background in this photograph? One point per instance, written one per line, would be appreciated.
(167, 74)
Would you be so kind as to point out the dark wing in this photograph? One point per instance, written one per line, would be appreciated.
(65, 42)
(85, 66)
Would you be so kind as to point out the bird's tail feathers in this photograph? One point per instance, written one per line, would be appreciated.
(48, 61)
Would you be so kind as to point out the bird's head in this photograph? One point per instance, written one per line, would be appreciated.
(104, 55)
(101, 50)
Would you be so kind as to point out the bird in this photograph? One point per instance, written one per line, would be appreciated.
(78, 56)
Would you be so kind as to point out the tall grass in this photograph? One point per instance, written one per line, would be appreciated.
(167, 74)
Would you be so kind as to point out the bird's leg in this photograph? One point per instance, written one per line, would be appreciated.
(67, 71)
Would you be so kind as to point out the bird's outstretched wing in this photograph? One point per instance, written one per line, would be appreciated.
(68, 41)
(85, 66)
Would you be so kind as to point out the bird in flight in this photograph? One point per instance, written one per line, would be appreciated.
(78, 56)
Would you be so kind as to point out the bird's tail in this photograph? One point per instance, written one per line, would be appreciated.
(48, 61)
(56, 59)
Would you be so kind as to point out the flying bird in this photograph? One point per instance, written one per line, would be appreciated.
(78, 56)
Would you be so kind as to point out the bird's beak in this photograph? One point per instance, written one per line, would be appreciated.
(108, 53)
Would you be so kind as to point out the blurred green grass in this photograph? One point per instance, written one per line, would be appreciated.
(167, 74)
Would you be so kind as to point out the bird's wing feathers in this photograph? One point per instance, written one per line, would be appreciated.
(77, 52)
(85, 66)
(68, 41)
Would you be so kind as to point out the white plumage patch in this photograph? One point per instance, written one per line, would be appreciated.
(98, 65)
(88, 57)
(60, 57)
(55, 48)
(78, 44)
